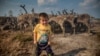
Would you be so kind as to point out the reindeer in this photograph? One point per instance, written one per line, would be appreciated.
(82, 19)
(8, 23)
(27, 20)
(61, 21)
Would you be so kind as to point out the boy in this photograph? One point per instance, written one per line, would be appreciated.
(42, 33)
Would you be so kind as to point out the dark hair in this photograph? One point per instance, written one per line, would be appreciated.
(43, 14)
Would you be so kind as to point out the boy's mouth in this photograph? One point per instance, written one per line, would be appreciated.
(44, 22)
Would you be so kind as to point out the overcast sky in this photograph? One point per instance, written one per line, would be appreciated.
(91, 7)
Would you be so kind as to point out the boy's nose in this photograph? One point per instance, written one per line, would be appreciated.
(45, 22)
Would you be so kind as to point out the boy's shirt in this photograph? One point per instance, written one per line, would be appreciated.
(42, 29)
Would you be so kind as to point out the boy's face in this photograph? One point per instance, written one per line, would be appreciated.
(43, 20)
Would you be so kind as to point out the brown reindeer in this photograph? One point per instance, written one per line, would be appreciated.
(7, 23)
(61, 19)
(83, 19)
(26, 20)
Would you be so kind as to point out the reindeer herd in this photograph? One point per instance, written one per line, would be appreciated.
(60, 24)
(71, 24)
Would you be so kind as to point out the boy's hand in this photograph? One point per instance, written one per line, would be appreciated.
(48, 43)
(35, 42)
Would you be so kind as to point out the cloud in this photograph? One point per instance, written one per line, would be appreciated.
(40, 2)
(87, 4)
(46, 2)
(51, 8)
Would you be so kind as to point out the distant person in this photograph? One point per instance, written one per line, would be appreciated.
(42, 35)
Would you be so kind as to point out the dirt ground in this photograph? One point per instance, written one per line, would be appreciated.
(16, 43)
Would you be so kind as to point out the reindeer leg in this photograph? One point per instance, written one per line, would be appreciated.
(63, 29)
(88, 26)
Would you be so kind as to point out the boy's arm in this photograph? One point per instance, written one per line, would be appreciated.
(49, 40)
(35, 34)
(35, 37)
(50, 36)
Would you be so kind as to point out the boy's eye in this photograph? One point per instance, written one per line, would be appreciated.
(44, 20)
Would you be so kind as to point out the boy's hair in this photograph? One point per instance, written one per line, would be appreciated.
(43, 15)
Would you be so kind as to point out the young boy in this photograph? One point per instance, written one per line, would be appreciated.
(42, 33)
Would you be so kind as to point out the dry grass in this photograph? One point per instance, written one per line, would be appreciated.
(21, 44)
